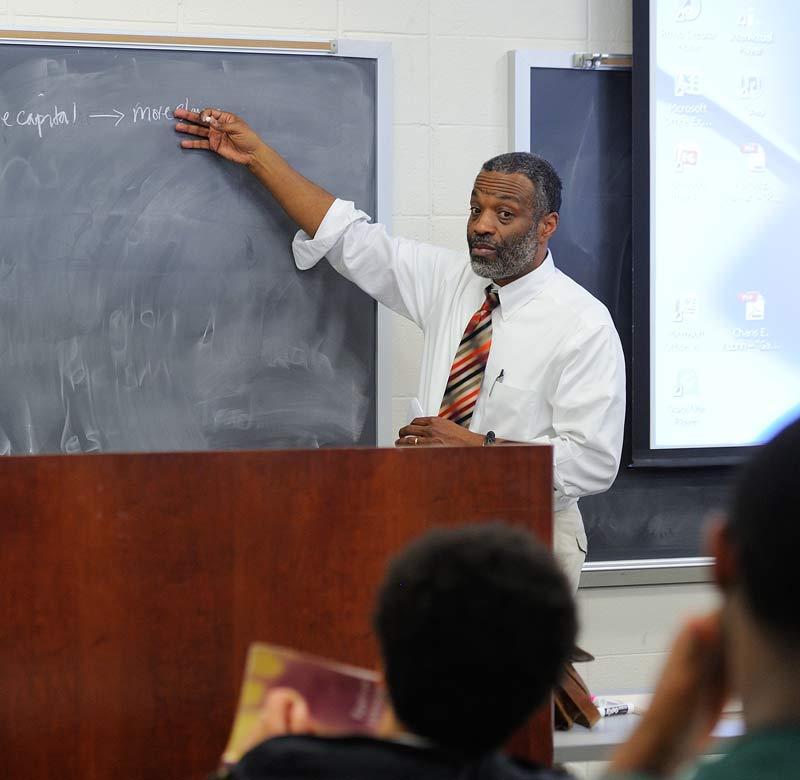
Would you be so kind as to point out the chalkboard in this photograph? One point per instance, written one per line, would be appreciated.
(148, 296)
(580, 120)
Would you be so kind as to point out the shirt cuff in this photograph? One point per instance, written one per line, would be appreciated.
(309, 251)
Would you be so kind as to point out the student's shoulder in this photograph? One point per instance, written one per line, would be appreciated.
(502, 767)
(290, 757)
(772, 754)
(296, 757)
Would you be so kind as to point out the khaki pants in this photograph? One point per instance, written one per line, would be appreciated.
(569, 543)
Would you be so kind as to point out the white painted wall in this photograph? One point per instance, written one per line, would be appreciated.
(450, 109)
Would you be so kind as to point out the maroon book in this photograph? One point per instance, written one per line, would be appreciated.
(341, 699)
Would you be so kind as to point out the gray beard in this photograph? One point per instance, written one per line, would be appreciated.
(510, 259)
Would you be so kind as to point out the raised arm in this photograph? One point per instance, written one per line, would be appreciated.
(686, 705)
(232, 138)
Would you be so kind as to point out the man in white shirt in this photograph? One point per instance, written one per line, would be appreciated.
(555, 370)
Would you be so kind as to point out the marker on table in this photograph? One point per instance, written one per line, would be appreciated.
(608, 707)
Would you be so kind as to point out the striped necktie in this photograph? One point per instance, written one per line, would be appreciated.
(469, 364)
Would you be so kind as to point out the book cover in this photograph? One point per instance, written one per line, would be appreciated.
(341, 699)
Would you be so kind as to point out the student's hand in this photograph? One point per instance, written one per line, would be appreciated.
(424, 431)
(686, 704)
(284, 712)
(221, 132)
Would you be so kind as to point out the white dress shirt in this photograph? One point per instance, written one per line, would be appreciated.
(555, 373)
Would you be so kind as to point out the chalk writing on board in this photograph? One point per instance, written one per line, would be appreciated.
(55, 118)
(118, 115)
(149, 300)
(58, 116)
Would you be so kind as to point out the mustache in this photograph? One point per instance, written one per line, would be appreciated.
(483, 243)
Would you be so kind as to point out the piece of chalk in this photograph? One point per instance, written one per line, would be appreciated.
(207, 118)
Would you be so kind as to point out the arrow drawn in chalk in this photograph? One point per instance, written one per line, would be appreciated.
(117, 114)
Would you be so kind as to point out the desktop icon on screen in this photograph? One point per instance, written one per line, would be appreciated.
(685, 307)
(750, 87)
(755, 157)
(687, 10)
(686, 156)
(687, 83)
(747, 18)
(754, 305)
(687, 383)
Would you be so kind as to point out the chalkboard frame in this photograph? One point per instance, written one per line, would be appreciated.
(645, 571)
(379, 51)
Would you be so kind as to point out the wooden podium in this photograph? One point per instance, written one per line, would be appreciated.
(133, 585)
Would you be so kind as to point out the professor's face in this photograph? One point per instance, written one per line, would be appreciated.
(501, 233)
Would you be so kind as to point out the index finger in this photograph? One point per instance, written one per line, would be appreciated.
(201, 118)
(183, 113)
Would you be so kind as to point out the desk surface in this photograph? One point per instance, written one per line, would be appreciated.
(597, 744)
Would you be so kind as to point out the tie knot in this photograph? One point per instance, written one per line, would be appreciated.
(492, 299)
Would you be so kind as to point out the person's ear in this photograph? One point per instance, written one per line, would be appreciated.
(547, 226)
(382, 677)
(389, 726)
(724, 551)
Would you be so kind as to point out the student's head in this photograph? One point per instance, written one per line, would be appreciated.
(513, 212)
(474, 625)
(757, 551)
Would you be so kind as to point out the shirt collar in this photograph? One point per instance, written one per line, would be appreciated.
(514, 295)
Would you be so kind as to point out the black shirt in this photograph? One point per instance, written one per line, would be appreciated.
(365, 758)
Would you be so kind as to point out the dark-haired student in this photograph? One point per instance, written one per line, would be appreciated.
(474, 625)
(751, 647)
(511, 344)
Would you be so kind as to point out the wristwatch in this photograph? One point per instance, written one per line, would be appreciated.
(488, 440)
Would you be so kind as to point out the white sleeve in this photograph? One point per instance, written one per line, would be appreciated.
(403, 275)
(588, 414)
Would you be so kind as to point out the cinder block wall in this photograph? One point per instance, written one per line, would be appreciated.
(450, 114)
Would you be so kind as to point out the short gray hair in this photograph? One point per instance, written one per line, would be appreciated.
(545, 180)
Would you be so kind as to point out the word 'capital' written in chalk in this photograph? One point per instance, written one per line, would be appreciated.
(38, 120)
(47, 119)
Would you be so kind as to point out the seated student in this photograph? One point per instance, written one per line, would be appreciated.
(752, 646)
(474, 625)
